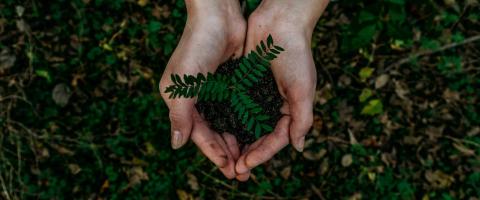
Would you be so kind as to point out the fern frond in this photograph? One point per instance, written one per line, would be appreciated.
(249, 113)
(213, 87)
(255, 63)
(220, 87)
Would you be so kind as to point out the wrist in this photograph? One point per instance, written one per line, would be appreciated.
(291, 13)
(212, 8)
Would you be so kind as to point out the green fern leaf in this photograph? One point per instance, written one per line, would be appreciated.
(264, 48)
(243, 68)
(250, 123)
(247, 82)
(274, 51)
(179, 80)
(259, 50)
(238, 74)
(245, 117)
(258, 131)
(269, 41)
(263, 117)
(278, 48)
(267, 128)
(252, 78)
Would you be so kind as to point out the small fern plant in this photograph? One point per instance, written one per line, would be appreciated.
(218, 87)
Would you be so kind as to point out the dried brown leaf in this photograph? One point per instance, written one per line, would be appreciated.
(401, 89)
(285, 173)
(438, 179)
(192, 182)
(310, 155)
(61, 94)
(183, 195)
(7, 59)
(381, 81)
(463, 149)
(347, 160)
(74, 168)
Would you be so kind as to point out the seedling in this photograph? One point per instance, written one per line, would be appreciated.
(218, 87)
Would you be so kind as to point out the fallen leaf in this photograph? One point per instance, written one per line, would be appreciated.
(401, 89)
(74, 168)
(183, 195)
(475, 131)
(61, 94)
(366, 93)
(105, 186)
(62, 150)
(438, 179)
(451, 96)
(324, 94)
(356, 196)
(365, 73)
(373, 107)
(347, 160)
(434, 132)
(160, 12)
(22, 26)
(142, 2)
(136, 175)
(381, 81)
(324, 167)
(285, 173)
(353, 140)
(371, 176)
(121, 78)
(192, 182)
(310, 155)
(463, 149)
(20, 10)
(7, 59)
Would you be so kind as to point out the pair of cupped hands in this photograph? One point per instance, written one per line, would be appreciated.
(215, 32)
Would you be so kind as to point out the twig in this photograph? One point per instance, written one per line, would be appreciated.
(317, 192)
(462, 141)
(217, 180)
(428, 52)
(5, 191)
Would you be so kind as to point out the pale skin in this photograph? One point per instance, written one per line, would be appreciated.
(216, 31)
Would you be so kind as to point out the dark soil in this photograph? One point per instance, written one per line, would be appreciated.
(222, 118)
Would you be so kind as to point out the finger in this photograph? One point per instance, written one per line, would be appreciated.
(232, 145)
(213, 147)
(181, 122)
(229, 169)
(243, 177)
(302, 120)
(241, 167)
(266, 149)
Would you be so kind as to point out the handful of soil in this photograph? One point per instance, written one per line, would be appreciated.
(221, 116)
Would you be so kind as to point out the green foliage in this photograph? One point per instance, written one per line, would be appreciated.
(218, 87)
(373, 107)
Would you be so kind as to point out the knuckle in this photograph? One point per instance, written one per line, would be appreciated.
(175, 117)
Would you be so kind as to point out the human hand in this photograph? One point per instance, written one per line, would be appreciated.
(291, 25)
(214, 32)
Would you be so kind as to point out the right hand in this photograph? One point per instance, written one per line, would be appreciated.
(214, 32)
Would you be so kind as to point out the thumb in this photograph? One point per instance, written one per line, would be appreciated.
(302, 120)
(181, 124)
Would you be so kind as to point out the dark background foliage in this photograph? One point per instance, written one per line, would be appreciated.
(397, 112)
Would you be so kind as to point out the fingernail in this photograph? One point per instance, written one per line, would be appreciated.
(176, 140)
(300, 144)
